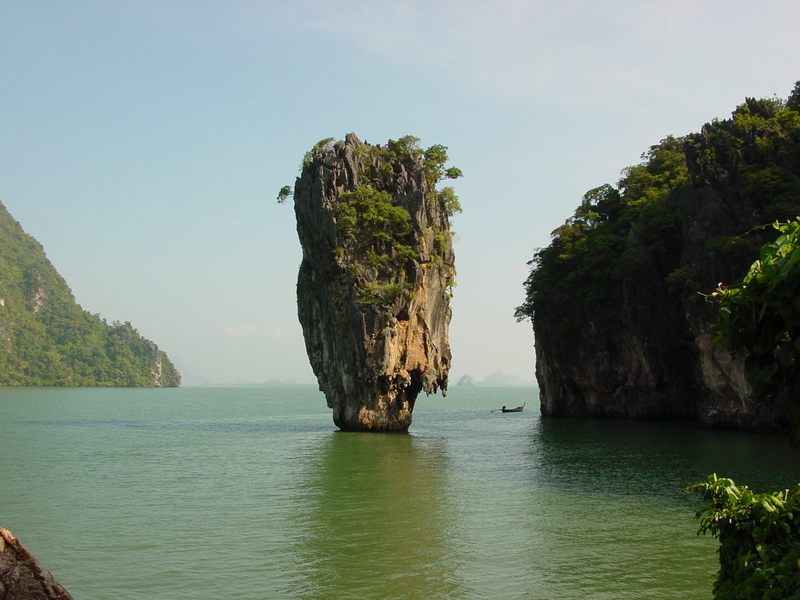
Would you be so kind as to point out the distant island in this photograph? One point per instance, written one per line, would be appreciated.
(618, 300)
(47, 339)
(495, 379)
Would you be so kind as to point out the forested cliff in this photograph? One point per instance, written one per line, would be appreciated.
(46, 338)
(621, 325)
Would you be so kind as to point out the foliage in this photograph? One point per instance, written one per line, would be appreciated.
(382, 163)
(759, 535)
(684, 281)
(435, 170)
(447, 197)
(284, 194)
(793, 101)
(754, 153)
(579, 278)
(46, 338)
(759, 319)
(324, 145)
(373, 231)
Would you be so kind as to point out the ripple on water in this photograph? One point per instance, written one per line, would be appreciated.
(251, 494)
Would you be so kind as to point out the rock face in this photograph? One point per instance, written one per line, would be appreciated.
(375, 282)
(22, 577)
(629, 334)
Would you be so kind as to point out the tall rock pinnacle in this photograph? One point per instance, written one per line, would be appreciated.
(374, 287)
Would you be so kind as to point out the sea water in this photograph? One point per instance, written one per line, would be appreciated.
(250, 493)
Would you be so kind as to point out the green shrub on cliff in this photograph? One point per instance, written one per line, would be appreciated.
(759, 319)
(759, 536)
(373, 241)
(368, 218)
(284, 194)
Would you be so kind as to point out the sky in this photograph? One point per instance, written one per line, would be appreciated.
(143, 142)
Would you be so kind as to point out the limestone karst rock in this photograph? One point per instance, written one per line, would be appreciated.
(21, 575)
(374, 287)
(618, 299)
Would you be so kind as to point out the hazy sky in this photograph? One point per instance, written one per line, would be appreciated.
(144, 142)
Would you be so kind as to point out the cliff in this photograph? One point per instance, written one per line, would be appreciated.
(22, 577)
(620, 323)
(46, 338)
(374, 286)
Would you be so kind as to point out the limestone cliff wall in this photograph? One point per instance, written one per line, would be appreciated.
(372, 354)
(659, 360)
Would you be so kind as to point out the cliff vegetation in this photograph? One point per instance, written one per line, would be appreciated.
(759, 537)
(617, 299)
(46, 338)
(759, 320)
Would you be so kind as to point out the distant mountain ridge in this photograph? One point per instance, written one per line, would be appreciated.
(495, 379)
(47, 339)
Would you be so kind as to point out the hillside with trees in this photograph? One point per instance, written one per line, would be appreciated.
(47, 339)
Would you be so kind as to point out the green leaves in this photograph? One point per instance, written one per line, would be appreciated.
(759, 537)
(576, 283)
(447, 196)
(759, 319)
(369, 216)
(284, 193)
(435, 159)
(374, 242)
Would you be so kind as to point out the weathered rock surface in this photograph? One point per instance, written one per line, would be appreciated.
(22, 577)
(659, 362)
(376, 332)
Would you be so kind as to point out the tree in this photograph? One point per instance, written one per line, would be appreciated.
(794, 98)
(284, 194)
(759, 535)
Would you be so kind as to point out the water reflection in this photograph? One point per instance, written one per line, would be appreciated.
(630, 457)
(376, 520)
(615, 519)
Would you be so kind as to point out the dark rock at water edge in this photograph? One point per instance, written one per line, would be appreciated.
(21, 575)
(375, 312)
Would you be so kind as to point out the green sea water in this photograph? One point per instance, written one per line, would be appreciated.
(209, 493)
